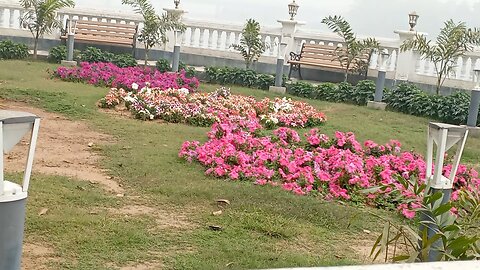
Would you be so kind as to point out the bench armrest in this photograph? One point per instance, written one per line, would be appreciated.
(295, 57)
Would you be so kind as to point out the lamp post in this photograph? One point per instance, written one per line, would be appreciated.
(412, 19)
(13, 197)
(474, 100)
(71, 27)
(278, 88)
(176, 50)
(292, 9)
(377, 103)
(176, 2)
(382, 72)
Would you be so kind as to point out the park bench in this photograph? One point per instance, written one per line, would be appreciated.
(316, 55)
(118, 34)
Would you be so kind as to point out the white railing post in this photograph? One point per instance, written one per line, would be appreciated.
(12, 18)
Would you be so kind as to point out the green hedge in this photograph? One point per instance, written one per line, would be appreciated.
(12, 50)
(410, 99)
(92, 55)
(342, 92)
(163, 65)
(243, 77)
(406, 98)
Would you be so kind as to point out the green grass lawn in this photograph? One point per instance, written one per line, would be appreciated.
(263, 227)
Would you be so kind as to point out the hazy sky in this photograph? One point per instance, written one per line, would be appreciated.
(367, 17)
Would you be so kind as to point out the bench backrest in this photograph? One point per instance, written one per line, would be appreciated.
(322, 54)
(118, 33)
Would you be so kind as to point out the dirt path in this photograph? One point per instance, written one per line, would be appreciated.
(63, 148)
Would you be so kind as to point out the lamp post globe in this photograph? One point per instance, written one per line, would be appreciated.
(292, 9)
(412, 20)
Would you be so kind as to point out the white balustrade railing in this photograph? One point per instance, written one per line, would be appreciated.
(217, 36)
(462, 69)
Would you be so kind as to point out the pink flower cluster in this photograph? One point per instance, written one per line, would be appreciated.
(109, 75)
(337, 168)
(204, 109)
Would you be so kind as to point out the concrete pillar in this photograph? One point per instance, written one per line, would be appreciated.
(278, 88)
(176, 58)
(406, 60)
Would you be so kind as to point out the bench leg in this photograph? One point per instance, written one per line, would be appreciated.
(290, 72)
(300, 72)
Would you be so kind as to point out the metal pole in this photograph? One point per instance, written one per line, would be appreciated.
(279, 72)
(176, 58)
(380, 85)
(474, 104)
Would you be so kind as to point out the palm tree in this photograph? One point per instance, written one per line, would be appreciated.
(354, 54)
(41, 17)
(155, 27)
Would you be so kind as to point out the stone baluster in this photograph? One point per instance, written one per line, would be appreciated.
(459, 68)
(192, 36)
(11, 18)
(202, 38)
(219, 39)
(184, 38)
(210, 38)
(228, 42)
(2, 11)
(468, 69)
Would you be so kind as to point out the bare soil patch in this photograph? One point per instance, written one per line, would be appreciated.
(164, 218)
(36, 256)
(62, 149)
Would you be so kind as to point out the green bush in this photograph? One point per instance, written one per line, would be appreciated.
(95, 55)
(363, 92)
(237, 76)
(189, 71)
(59, 53)
(410, 99)
(124, 60)
(12, 50)
(163, 65)
(325, 91)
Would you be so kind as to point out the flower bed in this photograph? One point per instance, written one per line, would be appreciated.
(109, 75)
(335, 168)
(204, 109)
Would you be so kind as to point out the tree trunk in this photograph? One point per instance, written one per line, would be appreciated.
(35, 45)
(146, 57)
(439, 82)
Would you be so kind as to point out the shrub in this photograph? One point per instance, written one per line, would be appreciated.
(59, 53)
(325, 91)
(363, 92)
(124, 60)
(95, 55)
(237, 76)
(189, 71)
(163, 65)
(12, 50)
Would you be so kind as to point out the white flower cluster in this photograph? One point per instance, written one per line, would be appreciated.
(284, 105)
